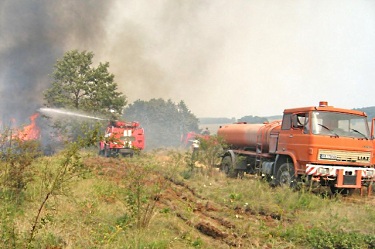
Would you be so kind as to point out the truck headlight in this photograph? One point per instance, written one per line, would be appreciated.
(370, 173)
(323, 171)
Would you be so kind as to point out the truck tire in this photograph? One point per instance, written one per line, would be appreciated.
(107, 152)
(285, 175)
(227, 167)
(342, 191)
(101, 151)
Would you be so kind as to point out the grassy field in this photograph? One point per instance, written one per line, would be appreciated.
(161, 200)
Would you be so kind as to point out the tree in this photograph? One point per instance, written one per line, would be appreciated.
(78, 85)
(253, 119)
(164, 121)
(370, 111)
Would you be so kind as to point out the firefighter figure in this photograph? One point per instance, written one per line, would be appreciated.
(206, 132)
(195, 146)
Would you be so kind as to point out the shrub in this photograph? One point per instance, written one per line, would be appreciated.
(15, 168)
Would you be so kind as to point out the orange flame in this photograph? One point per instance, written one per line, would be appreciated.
(31, 131)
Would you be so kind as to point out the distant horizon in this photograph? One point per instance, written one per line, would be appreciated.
(280, 115)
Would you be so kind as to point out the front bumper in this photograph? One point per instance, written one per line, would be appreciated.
(345, 177)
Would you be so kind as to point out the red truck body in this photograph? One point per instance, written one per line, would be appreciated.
(122, 138)
(188, 139)
(321, 145)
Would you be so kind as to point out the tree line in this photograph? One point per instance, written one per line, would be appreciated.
(78, 85)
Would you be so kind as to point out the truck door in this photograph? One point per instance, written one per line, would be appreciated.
(294, 137)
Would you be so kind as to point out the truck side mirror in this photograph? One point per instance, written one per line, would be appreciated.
(372, 127)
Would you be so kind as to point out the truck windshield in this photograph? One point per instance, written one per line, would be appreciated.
(339, 124)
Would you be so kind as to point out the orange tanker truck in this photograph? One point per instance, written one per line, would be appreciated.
(320, 145)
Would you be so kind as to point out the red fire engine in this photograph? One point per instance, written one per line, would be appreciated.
(125, 138)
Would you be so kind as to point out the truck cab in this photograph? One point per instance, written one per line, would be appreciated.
(329, 145)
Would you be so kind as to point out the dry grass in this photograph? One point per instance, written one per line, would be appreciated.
(199, 211)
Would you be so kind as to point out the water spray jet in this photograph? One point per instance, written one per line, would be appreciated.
(54, 111)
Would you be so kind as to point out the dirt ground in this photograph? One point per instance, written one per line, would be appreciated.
(207, 216)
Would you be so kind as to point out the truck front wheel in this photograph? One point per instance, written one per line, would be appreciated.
(285, 175)
(342, 191)
(227, 167)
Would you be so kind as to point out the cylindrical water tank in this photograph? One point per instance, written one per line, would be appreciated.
(247, 135)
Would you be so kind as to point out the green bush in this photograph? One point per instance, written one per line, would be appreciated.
(15, 167)
(322, 239)
(8, 235)
(319, 238)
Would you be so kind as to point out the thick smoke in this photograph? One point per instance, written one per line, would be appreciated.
(236, 58)
(167, 50)
(223, 58)
(33, 35)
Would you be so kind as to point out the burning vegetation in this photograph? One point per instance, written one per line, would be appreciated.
(31, 131)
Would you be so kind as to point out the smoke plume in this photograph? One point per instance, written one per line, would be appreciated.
(33, 35)
(222, 58)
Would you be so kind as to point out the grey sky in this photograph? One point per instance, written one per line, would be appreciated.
(237, 58)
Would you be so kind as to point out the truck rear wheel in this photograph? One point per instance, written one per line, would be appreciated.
(285, 175)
